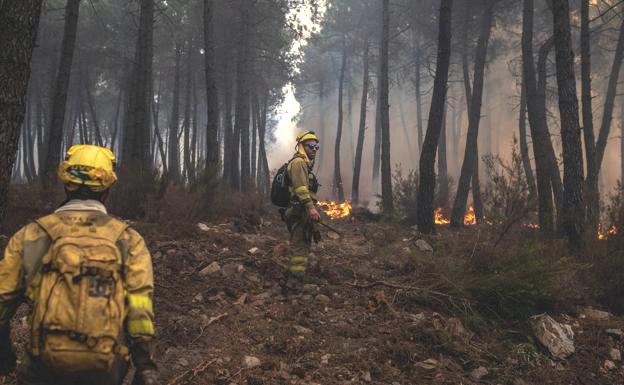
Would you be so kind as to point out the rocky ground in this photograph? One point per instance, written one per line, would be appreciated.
(371, 313)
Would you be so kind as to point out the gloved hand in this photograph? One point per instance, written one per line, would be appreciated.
(7, 356)
(146, 377)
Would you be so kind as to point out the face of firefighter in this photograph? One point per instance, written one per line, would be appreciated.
(311, 147)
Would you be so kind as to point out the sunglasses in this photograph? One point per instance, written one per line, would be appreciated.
(313, 146)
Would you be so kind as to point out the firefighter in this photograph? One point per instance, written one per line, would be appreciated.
(301, 214)
(87, 278)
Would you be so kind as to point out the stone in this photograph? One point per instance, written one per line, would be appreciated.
(211, 269)
(231, 269)
(457, 329)
(477, 374)
(596, 315)
(406, 250)
(251, 362)
(171, 252)
(366, 376)
(332, 235)
(417, 319)
(615, 354)
(309, 288)
(322, 299)
(424, 246)
(557, 338)
(253, 251)
(198, 298)
(428, 364)
(609, 365)
(325, 359)
(203, 227)
(183, 362)
(302, 330)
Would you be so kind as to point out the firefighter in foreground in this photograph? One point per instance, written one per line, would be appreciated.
(88, 280)
(301, 214)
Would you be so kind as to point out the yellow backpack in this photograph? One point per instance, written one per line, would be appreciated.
(78, 294)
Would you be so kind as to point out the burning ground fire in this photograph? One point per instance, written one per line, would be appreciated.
(335, 210)
(469, 219)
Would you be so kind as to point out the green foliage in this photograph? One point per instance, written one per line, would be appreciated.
(404, 194)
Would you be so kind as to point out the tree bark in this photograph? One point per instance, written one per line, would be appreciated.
(417, 89)
(136, 166)
(91, 104)
(212, 96)
(426, 188)
(386, 168)
(573, 218)
(174, 125)
(338, 188)
(443, 183)
(242, 99)
(357, 166)
(60, 92)
(524, 146)
(471, 159)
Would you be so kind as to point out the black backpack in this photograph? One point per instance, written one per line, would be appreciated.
(280, 196)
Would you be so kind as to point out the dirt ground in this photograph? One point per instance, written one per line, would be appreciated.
(368, 314)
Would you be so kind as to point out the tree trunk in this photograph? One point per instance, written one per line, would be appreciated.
(136, 164)
(338, 188)
(471, 159)
(573, 210)
(212, 97)
(386, 168)
(228, 135)
(60, 92)
(592, 195)
(173, 160)
(417, 88)
(266, 178)
(242, 99)
(116, 121)
(91, 104)
(321, 95)
(189, 172)
(357, 166)
(622, 143)
(254, 135)
(443, 182)
(524, 146)
(377, 144)
(159, 139)
(539, 132)
(426, 187)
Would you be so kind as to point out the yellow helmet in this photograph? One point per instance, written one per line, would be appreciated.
(308, 135)
(88, 165)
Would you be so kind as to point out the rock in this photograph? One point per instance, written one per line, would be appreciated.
(253, 251)
(428, 364)
(596, 315)
(406, 250)
(198, 298)
(477, 374)
(424, 246)
(302, 330)
(183, 362)
(325, 359)
(557, 338)
(333, 235)
(323, 299)
(203, 227)
(309, 288)
(609, 365)
(231, 269)
(366, 376)
(171, 252)
(211, 269)
(615, 332)
(251, 362)
(615, 354)
(417, 319)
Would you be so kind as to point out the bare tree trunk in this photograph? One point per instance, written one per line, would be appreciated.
(157, 134)
(573, 219)
(254, 134)
(622, 142)
(212, 97)
(338, 189)
(242, 99)
(417, 87)
(471, 159)
(174, 125)
(443, 182)
(189, 172)
(426, 188)
(377, 144)
(136, 167)
(355, 186)
(524, 146)
(60, 92)
(116, 121)
(90, 102)
(266, 177)
(229, 162)
(321, 95)
(386, 168)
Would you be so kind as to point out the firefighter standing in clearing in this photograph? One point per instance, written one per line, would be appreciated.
(301, 213)
(88, 280)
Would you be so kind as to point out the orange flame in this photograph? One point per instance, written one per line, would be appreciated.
(604, 234)
(335, 210)
(439, 218)
(533, 226)
(470, 218)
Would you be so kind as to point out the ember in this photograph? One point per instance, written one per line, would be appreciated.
(335, 210)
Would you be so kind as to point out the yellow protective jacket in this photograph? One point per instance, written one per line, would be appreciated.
(22, 261)
(303, 183)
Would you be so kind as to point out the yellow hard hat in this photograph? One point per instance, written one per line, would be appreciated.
(88, 165)
(308, 135)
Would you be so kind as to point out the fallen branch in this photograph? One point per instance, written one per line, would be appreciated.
(402, 287)
(210, 322)
(194, 373)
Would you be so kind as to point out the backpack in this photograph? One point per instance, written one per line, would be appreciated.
(79, 302)
(280, 195)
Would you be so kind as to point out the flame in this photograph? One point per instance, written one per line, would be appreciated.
(533, 226)
(335, 210)
(439, 218)
(604, 234)
(470, 218)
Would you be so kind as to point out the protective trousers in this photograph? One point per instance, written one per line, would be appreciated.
(34, 372)
(301, 234)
